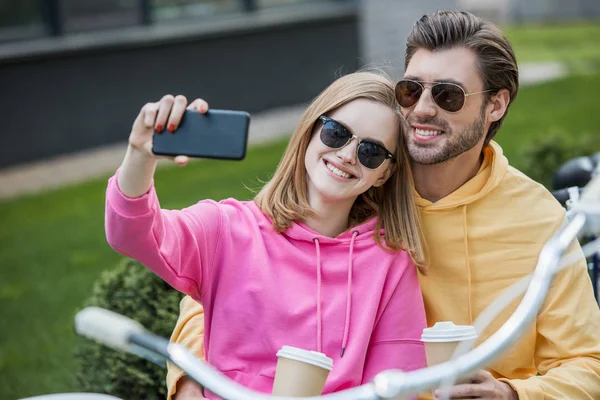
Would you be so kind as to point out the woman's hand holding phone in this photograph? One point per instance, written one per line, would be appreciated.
(137, 170)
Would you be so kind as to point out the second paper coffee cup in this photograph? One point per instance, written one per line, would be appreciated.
(442, 339)
(301, 373)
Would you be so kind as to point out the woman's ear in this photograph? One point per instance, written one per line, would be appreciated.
(499, 104)
(386, 175)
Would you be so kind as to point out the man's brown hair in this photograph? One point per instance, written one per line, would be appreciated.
(496, 60)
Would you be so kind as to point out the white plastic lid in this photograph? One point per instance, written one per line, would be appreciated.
(448, 332)
(309, 357)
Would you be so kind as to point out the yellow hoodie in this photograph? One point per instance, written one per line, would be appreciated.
(482, 238)
(487, 235)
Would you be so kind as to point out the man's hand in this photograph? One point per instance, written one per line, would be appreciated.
(483, 386)
(188, 390)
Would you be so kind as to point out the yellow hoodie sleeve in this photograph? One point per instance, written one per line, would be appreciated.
(189, 332)
(567, 351)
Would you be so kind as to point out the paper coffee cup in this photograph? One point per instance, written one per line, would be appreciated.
(300, 373)
(441, 340)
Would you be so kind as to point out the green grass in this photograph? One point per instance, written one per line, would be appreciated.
(576, 44)
(565, 108)
(52, 248)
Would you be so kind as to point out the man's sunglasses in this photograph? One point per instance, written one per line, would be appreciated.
(369, 153)
(448, 96)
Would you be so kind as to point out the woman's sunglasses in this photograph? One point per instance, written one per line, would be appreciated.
(369, 153)
(448, 96)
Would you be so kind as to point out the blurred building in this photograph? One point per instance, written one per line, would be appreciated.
(74, 73)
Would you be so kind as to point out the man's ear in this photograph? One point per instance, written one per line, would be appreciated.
(499, 104)
(386, 175)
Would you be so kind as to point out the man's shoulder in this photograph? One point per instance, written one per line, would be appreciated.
(522, 197)
(527, 190)
(521, 213)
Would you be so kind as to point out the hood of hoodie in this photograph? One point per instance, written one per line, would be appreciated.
(490, 174)
(360, 233)
(302, 232)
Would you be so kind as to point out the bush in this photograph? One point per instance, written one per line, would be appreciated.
(542, 157)
(134, 291)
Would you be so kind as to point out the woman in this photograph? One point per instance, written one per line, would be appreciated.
(318, 260)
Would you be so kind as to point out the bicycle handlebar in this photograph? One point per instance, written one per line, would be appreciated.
(566, 194)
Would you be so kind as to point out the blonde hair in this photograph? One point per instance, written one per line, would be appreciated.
(284, 198)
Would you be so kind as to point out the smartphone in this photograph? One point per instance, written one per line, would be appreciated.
(221, 134)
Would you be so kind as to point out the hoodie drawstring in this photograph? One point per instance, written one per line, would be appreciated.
(319, 317)
(464, 208)
(348, 296)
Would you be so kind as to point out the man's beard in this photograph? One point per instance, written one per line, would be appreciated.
(457, 144)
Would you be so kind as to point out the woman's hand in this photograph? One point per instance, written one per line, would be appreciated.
(163, 117)
(137, 170)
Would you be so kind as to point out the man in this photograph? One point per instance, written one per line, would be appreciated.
(484, 222)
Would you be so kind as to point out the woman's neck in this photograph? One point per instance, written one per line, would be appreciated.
(331, 217)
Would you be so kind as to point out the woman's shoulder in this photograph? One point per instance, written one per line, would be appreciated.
(232, 205)
(401, 262)
(374, 245)
(238, 212)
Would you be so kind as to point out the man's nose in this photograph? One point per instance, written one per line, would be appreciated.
(425, 107)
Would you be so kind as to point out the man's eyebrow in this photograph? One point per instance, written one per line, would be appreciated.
(446, 80)
(450, 80)
(412, 78)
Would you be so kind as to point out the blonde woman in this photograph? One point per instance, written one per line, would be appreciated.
(324, 256)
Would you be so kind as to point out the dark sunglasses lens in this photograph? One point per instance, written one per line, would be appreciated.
(449, 97)
(334, 135)
(408, 93)
(371, 155)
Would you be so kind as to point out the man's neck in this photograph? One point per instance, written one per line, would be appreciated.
(436, 181)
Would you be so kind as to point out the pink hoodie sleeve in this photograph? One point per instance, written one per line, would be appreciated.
(396, 340)
(177, 245)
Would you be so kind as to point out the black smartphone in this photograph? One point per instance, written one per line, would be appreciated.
(221, 134)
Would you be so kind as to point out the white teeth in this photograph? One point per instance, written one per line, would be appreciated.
(423, 132)
(337, 171)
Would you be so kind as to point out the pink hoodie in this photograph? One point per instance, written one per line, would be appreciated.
(343, 296)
